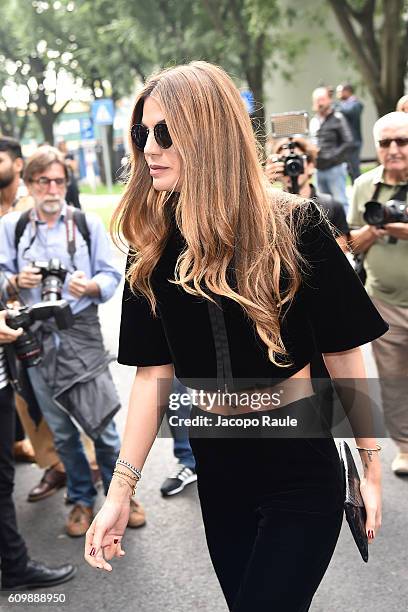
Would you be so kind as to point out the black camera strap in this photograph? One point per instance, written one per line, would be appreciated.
(401, 194)
(74, 218)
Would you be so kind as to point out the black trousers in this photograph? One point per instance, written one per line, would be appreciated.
(13, 551)
(272, 511)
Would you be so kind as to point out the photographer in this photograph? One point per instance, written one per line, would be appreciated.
(384, 246)
(275, 171)
(17, 569)
(73, 383)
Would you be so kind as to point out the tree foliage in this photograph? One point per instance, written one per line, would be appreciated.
(101, 48)
(376, 34)
(38, 51)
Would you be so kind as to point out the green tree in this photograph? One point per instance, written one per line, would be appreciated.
(26, 31)
(376, 33)
(244, 36)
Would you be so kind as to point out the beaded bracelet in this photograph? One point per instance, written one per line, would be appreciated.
(131, 467)
(369, 449)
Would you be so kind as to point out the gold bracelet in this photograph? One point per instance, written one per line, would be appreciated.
(370, 449)
(132, 487)
(133, 478)
(124, 476)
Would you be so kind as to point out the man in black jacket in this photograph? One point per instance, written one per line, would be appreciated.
(18, 571)
(333, 137)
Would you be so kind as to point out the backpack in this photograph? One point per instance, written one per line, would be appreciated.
(79, 219)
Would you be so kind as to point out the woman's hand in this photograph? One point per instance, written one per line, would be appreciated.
(104, 536)
(371, 493)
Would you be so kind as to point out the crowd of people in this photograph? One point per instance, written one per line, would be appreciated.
(58, 400)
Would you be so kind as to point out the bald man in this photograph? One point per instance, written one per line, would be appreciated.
(385, 251)
(332, 135)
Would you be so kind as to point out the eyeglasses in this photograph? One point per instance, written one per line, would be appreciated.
(386, 142)
(140, 132)
(44, 181)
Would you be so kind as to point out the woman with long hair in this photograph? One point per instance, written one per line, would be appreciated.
(231, 286)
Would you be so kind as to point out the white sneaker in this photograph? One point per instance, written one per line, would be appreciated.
(400, 464)
(175, 483)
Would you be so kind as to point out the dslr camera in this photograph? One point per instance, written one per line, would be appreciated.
(294, 165)
(27, 347)
(393, 211)
(53, 277)
(291, 125)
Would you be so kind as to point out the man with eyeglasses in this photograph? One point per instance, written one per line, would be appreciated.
(385, 253)
(72, 384)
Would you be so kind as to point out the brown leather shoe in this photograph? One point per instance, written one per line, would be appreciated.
(79, 520)
(24, 452)
(49, 484)
(137, 516)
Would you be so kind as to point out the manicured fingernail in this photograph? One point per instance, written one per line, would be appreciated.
(115, 541)
(93, 551)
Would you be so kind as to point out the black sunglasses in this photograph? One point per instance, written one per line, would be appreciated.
(386, 142)
(140, 132)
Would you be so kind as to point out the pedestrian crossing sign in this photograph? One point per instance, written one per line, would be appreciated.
(103, 111)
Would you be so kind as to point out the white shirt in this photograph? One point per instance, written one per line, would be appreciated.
(3, 370)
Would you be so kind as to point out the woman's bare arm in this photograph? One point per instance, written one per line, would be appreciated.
(147, 404)
(348, 373)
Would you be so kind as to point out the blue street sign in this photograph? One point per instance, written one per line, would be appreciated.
(248, 98)
(103, 111)
(86, 128)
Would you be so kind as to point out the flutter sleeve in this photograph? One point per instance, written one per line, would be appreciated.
(338, 307)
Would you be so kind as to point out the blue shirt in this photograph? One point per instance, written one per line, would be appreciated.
(51, 242)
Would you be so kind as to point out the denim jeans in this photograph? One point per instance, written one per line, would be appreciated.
(182, 449)
(333, 181)
(69, 446)
(353, 161)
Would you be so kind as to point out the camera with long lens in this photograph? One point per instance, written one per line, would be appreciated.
(393, 211)
(53, 277)
(27, 347)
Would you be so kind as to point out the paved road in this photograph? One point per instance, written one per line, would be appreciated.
(167, 566)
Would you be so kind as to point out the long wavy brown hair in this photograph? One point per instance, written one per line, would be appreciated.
(226, 210)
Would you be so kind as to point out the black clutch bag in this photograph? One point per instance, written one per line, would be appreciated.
(353, 501)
